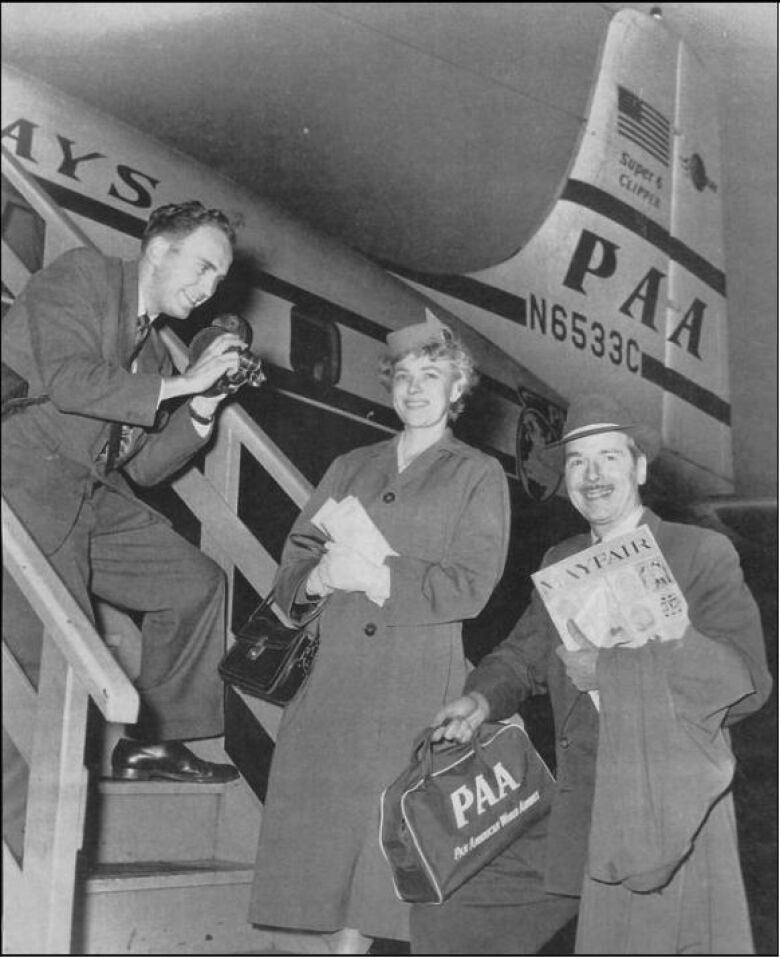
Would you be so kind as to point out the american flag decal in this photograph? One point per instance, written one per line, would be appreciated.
(643, 125)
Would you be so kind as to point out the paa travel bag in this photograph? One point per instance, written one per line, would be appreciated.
(456, 807)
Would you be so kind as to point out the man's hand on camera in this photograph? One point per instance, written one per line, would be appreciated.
(218, 358)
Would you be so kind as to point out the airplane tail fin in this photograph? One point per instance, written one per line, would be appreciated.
(650, 161)
(623, 285)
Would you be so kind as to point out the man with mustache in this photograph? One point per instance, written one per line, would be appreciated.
(641, 837)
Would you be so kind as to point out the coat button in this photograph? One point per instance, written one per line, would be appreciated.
(370, 628)
(388, 497)
(564, 742)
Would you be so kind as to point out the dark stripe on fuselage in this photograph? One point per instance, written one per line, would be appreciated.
(467, 290)
(592, 198)
(92, 209)
(319, 307)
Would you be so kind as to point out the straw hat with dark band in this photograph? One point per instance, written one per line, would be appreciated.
(592, 414)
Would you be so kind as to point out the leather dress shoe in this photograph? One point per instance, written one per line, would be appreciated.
(172, 761)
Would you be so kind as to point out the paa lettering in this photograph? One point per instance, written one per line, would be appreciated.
(22, 134)
(597, 257)
(463, 798)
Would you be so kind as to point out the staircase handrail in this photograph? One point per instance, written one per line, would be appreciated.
(73, 633)
(259, 445)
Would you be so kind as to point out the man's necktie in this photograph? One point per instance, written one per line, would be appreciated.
(142, 330)
(121, 436)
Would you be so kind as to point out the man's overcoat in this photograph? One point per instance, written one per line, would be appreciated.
(720, 607)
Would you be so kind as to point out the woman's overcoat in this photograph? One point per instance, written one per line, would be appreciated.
(380, 675)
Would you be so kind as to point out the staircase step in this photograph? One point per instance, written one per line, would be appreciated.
(158, 787)
(144, 821)
(107, 877)
(167, 907)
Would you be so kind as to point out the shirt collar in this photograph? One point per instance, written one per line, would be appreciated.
(629, 523)
(142, 306)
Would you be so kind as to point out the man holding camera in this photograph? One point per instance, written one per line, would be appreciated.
(83, 335)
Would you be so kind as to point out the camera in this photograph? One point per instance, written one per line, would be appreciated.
(249, 372)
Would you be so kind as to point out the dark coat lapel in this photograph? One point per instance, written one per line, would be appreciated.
(128, 312)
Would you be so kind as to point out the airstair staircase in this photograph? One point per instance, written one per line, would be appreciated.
(113, 867)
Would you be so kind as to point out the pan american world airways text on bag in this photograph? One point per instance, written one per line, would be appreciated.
(456, 807)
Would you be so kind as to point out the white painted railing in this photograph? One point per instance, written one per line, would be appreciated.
(48, 727)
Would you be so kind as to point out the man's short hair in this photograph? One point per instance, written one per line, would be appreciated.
(181, 219)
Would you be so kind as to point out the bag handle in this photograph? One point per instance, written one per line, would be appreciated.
(423, 749)
(302, 623)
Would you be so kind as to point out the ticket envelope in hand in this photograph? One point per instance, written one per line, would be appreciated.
(348, 523)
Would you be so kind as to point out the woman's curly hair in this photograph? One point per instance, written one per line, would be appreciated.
(451, 349)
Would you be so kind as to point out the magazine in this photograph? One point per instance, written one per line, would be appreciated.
(619, 592)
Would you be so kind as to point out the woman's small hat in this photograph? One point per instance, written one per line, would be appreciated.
(592, 414)
(402, 341)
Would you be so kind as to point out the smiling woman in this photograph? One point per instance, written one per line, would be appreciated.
(390, 644)
(429, 374)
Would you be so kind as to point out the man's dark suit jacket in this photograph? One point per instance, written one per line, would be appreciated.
(71, 334)
(720, 606)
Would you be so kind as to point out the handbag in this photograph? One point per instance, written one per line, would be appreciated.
(456, 807)
(270, 660)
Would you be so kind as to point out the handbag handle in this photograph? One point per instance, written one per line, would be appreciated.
(306, 620)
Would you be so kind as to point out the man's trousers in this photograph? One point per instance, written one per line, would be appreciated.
(120, 552)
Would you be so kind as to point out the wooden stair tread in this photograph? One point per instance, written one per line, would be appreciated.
(113, 786)
(124, 876)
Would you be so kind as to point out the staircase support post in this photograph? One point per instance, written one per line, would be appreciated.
(55, 810)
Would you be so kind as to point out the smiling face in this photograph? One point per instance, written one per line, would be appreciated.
(184, 272)
(603, 478)
(423, 389)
